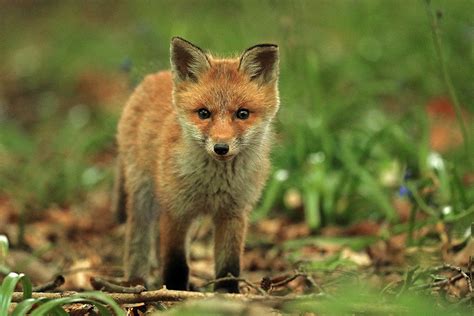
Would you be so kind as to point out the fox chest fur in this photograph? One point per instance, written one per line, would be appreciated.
(212, 187)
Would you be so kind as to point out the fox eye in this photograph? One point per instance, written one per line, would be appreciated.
(204, 114)
(242, 114)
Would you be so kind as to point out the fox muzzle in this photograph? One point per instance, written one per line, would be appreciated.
(221, 149)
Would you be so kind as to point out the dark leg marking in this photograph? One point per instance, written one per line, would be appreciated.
(176, 272)
(231, 286)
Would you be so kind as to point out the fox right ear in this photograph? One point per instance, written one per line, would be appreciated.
(260, 63)
(187, 60)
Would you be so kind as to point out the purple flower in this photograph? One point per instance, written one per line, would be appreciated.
(404, 191)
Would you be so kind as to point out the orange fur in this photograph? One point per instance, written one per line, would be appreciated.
(168, 161)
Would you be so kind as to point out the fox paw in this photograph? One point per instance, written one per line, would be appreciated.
(227, 287)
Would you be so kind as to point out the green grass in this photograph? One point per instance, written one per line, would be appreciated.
(43, 306)
(355, 79)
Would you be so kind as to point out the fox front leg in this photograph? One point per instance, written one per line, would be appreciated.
(141, 216)
(173, 252)
(229, 235)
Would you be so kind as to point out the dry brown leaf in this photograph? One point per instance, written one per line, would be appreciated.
(360, 258)
(461, 258)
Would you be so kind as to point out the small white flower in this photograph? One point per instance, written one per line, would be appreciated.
(448, 209)
(281, 175)
(435, 161)
(316, 158)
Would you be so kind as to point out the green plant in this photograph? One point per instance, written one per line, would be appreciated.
(39, 306)
(8, 286)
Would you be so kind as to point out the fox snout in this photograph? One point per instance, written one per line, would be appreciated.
(221, 149)
(221, 140)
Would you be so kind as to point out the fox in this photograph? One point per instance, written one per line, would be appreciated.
(195, 141)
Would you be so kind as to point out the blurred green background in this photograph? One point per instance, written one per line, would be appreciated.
(365, 116)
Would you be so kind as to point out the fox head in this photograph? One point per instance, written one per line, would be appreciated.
(225, 105)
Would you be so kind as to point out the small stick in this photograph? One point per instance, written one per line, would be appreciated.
(51, 285)
(440, 283)
(101, 284)
(462, 272)
(288, 280)
(279, 281)
(230, 277)
(314, 284)
(164, 295)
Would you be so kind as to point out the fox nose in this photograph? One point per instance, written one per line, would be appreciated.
(221, 149)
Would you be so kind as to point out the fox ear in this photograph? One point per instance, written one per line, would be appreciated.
(260, 62)
(187, 60)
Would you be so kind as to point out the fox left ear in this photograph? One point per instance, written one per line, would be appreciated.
(260, 62)
(188, 61)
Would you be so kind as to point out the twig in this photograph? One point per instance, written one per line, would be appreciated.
(278, 282)
(440, 283)
(165, 295)
(268, 284)
(287, 280)
(51, 285)
(461, 274)
(232, 278)
(313, 283)
(106, 286)
(447, 79)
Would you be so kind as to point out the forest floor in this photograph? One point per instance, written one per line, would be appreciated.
(352, 265)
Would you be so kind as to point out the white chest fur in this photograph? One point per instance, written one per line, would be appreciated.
(209, 186)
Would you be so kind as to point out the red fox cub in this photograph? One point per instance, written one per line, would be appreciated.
(195, 141)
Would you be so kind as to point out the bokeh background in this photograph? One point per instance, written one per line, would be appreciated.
(366, 130)
(372, 176)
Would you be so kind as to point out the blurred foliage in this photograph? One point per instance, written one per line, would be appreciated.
(355, 298)
(353, 130)
(55, 165)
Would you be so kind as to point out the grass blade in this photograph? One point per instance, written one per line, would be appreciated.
(24, 307)
(446, 77)
(96, 298)
(8, 287)
(311, 209)
(3, 249)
